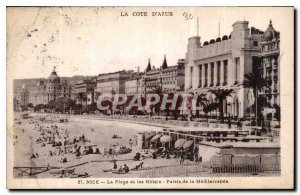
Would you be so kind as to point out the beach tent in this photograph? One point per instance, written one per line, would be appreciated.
(157, 136)
(165, 138)
(179, 143)
(188, 144)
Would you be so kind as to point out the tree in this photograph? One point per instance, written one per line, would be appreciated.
(201, 99)
(63, 104)
(51, 104)
(160, 92)
(30, 105)
(257, 83)
(221, 95)
(208, 107)
(82, 97)
(176, 111)
(38, 107)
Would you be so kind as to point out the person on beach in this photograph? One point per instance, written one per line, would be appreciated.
(125, 169)
(115, 166)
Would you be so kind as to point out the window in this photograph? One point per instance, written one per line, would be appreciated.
(225, 72)
(212, 74)
(218, 72)
(237, 69)
(191, 77)
(205, 75)
(200, 76)
(255, 43)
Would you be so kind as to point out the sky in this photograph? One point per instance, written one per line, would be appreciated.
(94, 40)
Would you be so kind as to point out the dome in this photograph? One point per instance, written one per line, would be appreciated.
(211, 41)
(224, 38)
(270, 33)
(205, 43)
(54, 78)
(218, 39)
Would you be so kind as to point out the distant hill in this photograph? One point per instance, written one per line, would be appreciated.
(32, 82)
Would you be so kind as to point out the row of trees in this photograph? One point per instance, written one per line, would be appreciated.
(201, 101)
(64, 105)
(252, 81)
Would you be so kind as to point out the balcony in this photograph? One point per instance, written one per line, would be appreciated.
(218, 84)
(225, 83)
(235, 83)
(205, 85)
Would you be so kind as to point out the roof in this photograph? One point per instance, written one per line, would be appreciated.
(242, 144)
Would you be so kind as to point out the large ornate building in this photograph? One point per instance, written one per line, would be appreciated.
(269, 63)
(44, 91)
(223, 62)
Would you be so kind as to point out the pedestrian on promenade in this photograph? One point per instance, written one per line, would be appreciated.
(229, 123)
(182, 156)
(239, 125)
(196, 153)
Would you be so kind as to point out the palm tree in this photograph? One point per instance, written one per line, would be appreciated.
(201, 99)
(257, 83)
(160, 92)
(221, 95)
(208, 107)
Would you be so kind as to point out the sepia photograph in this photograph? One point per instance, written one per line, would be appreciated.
(150, 97)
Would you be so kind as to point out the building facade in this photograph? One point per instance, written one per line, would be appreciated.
(134, 85)
(170, 78)
(112, 83)
(44, 91)
(222, 63)
(84, 90)
(269, 63)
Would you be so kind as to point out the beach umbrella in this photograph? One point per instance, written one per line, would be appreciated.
(179, 143)
(165, 138)
(188, 144)
(156, 137)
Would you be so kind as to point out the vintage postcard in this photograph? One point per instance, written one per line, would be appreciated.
(150, 97)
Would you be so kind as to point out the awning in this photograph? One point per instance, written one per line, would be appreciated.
(165, 138)
(179, 143)
(156, 137)
(188, 144)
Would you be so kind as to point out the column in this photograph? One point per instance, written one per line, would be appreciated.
(209, 75)
(222, 73)
(200, 76)
(203, 75)
(215, 73)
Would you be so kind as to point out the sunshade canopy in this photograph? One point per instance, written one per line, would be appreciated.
(188, 144)
(156, 137)
(179, 143)
(165, 138)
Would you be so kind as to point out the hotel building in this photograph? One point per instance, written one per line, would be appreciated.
(222, 63)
